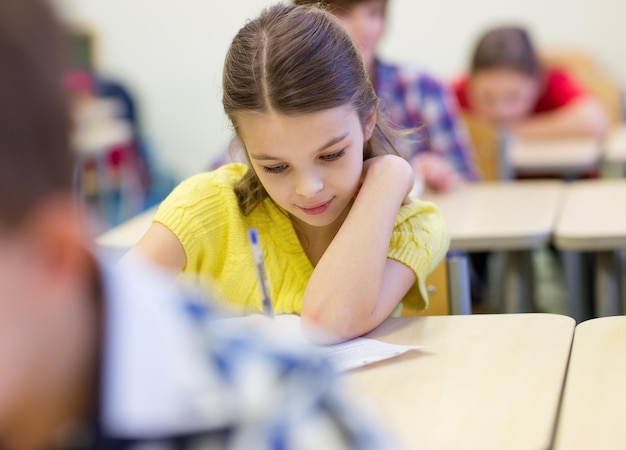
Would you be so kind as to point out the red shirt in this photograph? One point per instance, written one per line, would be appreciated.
(559, 90)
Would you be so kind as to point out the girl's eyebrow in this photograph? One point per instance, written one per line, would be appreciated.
(330, 143)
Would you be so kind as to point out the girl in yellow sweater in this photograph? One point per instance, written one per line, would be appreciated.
(343, 242)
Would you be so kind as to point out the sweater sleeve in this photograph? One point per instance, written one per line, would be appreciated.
(199, 211)
(419, 240)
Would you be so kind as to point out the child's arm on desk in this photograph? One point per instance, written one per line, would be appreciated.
(583, 117)
(354, 286)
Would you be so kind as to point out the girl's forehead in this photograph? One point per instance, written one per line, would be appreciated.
(270, 134)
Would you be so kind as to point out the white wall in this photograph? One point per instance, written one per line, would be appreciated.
(441, 33)
(170, 52)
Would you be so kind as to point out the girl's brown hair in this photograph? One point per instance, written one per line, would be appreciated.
(506, 47)
(296, 60)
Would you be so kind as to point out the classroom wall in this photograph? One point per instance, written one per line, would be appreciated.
(441, 34)
(170, 52)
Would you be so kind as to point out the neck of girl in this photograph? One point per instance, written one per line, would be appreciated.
(315, 240)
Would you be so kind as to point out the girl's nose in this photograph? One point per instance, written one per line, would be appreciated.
(309, 185)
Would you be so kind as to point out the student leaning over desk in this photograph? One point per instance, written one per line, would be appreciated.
(510, 87)
(343, 243)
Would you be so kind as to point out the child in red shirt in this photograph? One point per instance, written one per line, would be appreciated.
(509, 86)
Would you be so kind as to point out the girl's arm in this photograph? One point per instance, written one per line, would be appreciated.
(354, 286)
(583, 117)
(161, 247)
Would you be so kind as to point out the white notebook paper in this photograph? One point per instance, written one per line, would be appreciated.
(345, 356)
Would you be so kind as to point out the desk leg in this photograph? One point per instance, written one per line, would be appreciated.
(607, 285)
(576, 285)
(519, 282)
(495, 279)
(459, 285)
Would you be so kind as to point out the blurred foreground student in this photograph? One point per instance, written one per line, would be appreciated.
(102, 358)
(343, 243)
(442, 155)
(509, 86)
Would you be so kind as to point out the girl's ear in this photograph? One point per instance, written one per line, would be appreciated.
(370, 124)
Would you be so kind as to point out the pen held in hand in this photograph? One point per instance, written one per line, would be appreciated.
(257, 253)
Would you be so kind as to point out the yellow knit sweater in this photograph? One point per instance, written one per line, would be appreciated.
(204, 214)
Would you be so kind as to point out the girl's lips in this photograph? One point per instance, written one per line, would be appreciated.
(316, 209)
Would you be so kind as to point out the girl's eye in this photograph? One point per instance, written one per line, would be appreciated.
(275, 169)
(333, 156)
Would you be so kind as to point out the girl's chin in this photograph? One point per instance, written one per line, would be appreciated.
(314, 221)
(329, 218)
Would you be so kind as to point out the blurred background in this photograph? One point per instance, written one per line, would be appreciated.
(162, 60)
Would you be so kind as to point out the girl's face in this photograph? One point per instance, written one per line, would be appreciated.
(503, 96)
(365, 22)
(309, 164)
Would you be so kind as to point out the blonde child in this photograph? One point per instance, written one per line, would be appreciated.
(343, 243)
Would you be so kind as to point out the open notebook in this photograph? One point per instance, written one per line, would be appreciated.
(345, 356)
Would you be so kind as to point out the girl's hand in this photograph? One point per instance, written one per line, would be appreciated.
(392, 171)
(439, 174)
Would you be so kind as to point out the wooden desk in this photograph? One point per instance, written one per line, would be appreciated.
(500, 215)
(515, 217)
(594, 400)
(481, 382)
(592, 219)
(564, 157)
(117, 241)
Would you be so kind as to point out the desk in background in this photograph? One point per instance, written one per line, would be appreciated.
(563, 157)
(594, 400)
(592, 219)
(515, 217)
(480, 382)
(117, 241)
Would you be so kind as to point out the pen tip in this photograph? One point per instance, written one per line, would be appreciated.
(254, 237)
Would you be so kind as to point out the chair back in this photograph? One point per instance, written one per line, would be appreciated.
(486, 143)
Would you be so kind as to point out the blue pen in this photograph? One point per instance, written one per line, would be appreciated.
(257, 252)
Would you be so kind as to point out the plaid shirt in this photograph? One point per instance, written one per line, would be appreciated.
(173, 377)
(413, 99)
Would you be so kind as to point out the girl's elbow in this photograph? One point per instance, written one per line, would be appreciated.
(329, 327)
(321, 329)
(595, 118)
